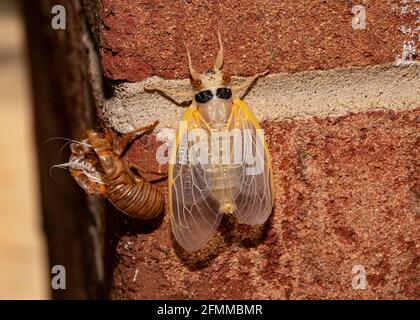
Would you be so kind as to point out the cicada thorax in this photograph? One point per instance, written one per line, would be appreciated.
(216, 111)
(102, 172)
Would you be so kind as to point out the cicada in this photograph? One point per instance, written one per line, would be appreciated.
(219, 162)
(97, 166)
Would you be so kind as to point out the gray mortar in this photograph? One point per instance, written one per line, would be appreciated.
(303, 95)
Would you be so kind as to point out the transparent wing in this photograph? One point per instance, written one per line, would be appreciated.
(199, 192)
(193, 209)
(254, 197)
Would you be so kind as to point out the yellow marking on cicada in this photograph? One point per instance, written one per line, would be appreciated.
(200, 193)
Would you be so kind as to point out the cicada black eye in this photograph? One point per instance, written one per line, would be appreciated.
(204, 96)
(224, 93)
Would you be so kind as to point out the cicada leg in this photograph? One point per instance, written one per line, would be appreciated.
(142, 172)
(244, 87)
(188, 95)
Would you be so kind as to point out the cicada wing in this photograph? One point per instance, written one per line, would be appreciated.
(194, 212)
(254, 199)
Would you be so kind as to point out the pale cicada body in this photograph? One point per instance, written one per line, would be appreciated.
(220, 163)
(98, 168)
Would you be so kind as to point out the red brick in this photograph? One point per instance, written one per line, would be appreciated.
(346, 194)
(143, 38)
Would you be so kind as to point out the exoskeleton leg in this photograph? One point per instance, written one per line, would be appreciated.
(141, 172)
(128, 138)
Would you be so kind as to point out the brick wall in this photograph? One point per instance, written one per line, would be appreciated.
(340, 110)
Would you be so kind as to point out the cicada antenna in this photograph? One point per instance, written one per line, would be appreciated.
(195, 75)
(218, 63)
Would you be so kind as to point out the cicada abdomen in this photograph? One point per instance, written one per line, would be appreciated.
(99, 169)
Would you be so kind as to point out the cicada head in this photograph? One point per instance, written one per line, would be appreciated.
(88, 174)
(214, 77)
(81, 148)
(213, 95)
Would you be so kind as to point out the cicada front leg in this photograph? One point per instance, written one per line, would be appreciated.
(171, 92)
(177, 96)
(240, 90)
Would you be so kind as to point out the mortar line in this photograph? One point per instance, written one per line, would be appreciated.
(277, 97)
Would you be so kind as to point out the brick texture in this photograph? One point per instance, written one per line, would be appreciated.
(346, 194)
(142, 38)
(346, 188)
